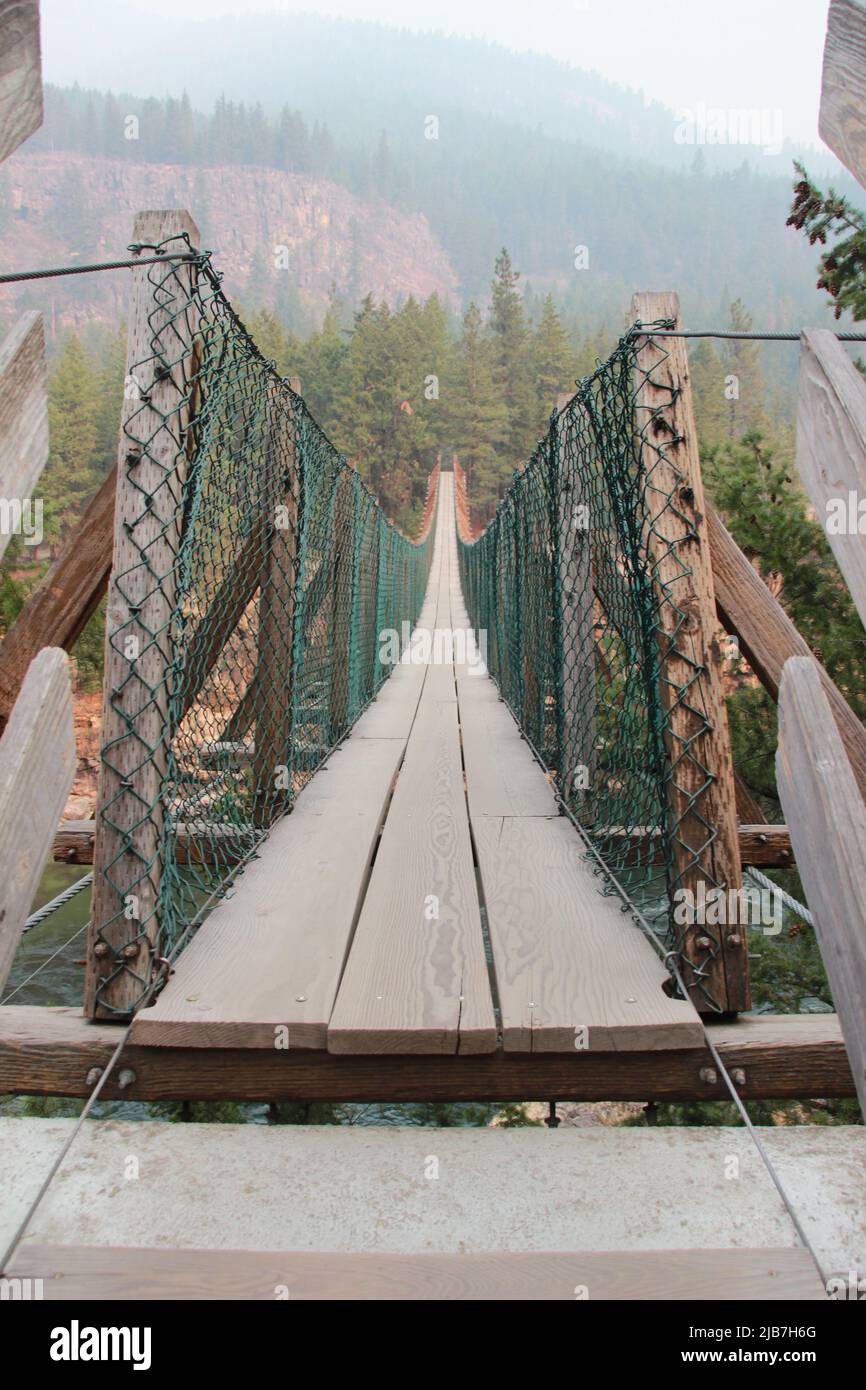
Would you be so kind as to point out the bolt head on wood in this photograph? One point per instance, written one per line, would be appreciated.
(708, 1075)
(100, 950)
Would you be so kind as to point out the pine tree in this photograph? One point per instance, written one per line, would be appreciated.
(744, 383)
(71, 476)
(512, 359)
(554, 363)
(708, 384)
(479, 417)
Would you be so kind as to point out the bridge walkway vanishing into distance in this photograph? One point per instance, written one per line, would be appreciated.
(361, 927)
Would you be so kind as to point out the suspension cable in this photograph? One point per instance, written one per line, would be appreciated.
(17, 276)
(60, 901)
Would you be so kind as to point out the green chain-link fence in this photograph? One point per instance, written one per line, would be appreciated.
(566, 580)
(283, 571)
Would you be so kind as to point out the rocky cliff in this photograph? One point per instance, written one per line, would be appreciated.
(280, 238)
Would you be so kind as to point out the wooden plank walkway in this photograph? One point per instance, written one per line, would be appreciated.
(98, 1273)
(361, 929)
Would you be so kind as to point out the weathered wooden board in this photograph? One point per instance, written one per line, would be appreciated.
(37, 768)
(264, 968)
(827, 819)
(196, 842)
(697, 737)
(416, 979)
(20, 73)
(64, 600)
(831, 450)
(393, 711)
(842, 117)
(572, 970)
(23, 423)
(147, 527)
(748, 807)
(502, 777)
(104, 1273)
(767, 635)
(54, 1051)
(576, 620)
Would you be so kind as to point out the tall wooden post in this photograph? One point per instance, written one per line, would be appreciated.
(701, 794)
(576, 617)
(273, 682)
(342, 561)
(141, 598)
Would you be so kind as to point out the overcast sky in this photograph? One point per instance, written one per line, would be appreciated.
(725, 53)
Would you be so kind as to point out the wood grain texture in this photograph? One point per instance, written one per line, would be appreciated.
(148, 519)
(416, 979)
(827, 818)
(767, 635)
(269, 958)
(104, 1273)
(274, 670)
(748, 808)
(572, 970)
(831, 449)
(23, 418)
(196, 842)
(679, 547)
(62, 603)
(53, 1051)
(842, 116)
(20, 73)
(764, 844)
(502, 777)
(37, 767)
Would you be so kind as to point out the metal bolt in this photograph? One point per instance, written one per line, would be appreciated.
(738, 1076)
(708, 1075)
(130, 951)
(703, 943)
(92, 1077)
(300, 998)
(100, 950)
(735, 940)
(126, 1078)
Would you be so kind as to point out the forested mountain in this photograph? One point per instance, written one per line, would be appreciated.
(714, 234)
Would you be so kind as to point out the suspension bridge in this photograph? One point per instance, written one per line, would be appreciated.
(388, 818)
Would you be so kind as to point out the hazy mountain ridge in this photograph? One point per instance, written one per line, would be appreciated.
(361, 77)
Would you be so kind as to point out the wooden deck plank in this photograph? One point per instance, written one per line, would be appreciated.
(94, 1272)
(56, 1051)
(416, 980)
(502, 777)
(264, 968)
(573, 971)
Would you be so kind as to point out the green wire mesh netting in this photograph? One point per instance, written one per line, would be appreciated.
(566, 582)
(261, 572)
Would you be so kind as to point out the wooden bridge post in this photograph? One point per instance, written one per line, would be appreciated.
(273, 678)
(576, 617)
(141, 596)
(342, 560)
(701, 794)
